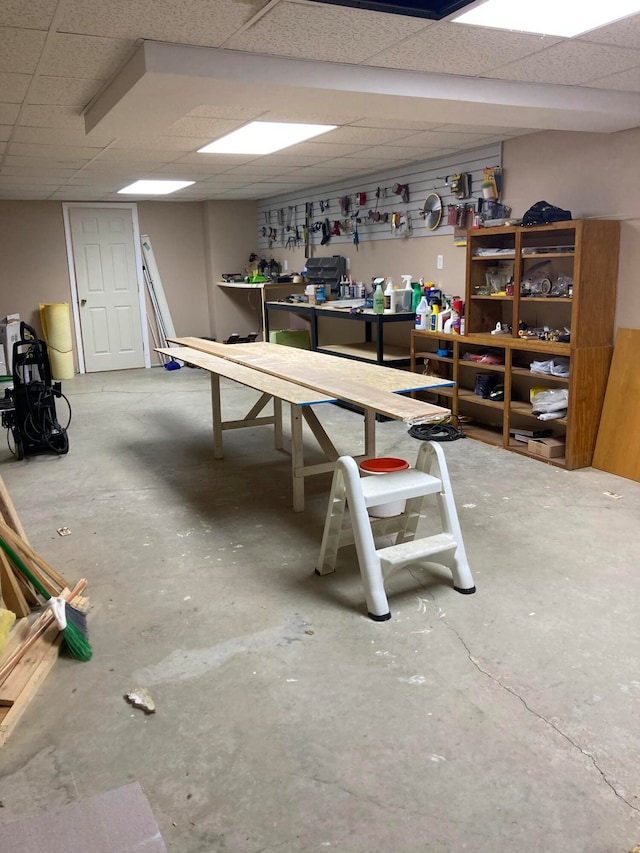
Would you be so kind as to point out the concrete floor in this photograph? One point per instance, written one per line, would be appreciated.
(287, 721)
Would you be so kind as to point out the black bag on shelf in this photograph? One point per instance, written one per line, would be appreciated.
(542, 213)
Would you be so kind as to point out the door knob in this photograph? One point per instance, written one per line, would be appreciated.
(83, 302)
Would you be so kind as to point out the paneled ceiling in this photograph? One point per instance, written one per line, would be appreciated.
(95, 94)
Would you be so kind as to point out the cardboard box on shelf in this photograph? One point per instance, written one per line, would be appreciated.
(549, 448)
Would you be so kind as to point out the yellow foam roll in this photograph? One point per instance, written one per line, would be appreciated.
(56, 323)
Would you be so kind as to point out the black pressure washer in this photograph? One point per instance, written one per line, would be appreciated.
(29, 408)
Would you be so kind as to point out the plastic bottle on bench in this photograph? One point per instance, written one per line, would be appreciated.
(378, 300)
(422, 314)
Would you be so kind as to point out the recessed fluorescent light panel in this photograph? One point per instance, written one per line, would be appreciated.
(154, 187)
(565, 18)
(264, 137)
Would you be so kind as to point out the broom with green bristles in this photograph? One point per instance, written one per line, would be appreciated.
(72, 623)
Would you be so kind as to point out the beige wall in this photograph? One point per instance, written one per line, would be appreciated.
(229, 236)
(34, 259)
(592, 175)
(175, 230)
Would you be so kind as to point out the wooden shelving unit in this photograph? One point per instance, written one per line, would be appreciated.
(587, 257)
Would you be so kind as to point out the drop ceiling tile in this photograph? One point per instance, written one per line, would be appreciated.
(478, 129)
(24, 195)
(185, 144)
(395, 123)
(324, 172)
(363, 135)
(52, 152)
(570, 63)
(625, 81)
(21, 170)
(30, 180)
(41, 115)
(14, 87)
(64, 91)
(625, 33)
(438, 139)
(182, 21)
(325, 32)
(21, 50)
(5, 131)
(398, 152)
(310, 116)
(209, 128)
(238, 113)
(458, 49)
(35, 15)
(55, 136)
(216, 161)
(286, 159)
(324, 149)
(8, 113)
(257, 170)
(85, 56)
(263, 190)
(136, 155)
(188, 172)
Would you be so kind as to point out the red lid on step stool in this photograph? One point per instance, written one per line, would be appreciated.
(383, 465)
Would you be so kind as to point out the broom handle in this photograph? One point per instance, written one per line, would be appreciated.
(23, 546)
(46, 622)
(25, 571)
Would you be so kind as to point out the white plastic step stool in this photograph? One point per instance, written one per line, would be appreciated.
(429, 477)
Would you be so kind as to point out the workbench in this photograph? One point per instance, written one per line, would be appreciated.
(305, 379)
(238, 306)
(367, 350)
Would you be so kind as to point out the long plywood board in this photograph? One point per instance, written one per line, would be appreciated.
(361, 384)
(290, 392)
(621, 411)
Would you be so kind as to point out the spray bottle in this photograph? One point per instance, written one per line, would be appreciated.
(406, 293)
(417, 295)
(378, 298)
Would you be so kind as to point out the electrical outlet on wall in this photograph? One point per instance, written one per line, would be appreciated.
(440, 262)
(286, 265)
(347, 263)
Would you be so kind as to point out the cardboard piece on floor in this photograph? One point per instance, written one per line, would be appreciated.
(617, 451)
(119, 820)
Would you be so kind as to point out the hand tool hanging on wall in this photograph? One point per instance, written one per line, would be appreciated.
(403, 191)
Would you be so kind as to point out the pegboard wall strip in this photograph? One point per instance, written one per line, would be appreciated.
(280, 217)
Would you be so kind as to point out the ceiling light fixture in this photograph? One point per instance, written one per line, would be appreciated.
(264, 137)
(566, 18)
(154, 187)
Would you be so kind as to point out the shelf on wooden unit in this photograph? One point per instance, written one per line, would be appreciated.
(478, 365)
(483, 433)
(523, 371)
(493, 297)
(469, 397)
(435, 357)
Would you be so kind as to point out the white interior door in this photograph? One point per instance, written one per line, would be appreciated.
(104, 260)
